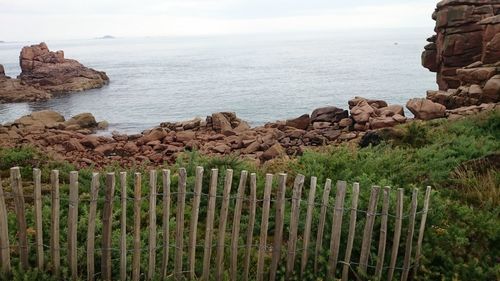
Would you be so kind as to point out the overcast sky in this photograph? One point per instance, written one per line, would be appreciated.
(74, 19)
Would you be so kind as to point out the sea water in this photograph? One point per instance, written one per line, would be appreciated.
(262, 78)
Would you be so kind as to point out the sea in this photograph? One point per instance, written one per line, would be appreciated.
(260, 77)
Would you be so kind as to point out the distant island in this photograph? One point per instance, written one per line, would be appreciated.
(2, 41)
(106, 37)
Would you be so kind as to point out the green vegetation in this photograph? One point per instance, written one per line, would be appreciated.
(459, 159)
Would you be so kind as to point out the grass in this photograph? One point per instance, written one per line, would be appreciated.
(457, 158)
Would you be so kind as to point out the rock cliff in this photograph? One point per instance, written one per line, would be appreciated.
(465, 52)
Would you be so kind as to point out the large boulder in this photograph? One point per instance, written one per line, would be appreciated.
(44, 118)
(425, 109)
(81, 121)
(362, 112)
(153, 135)
(491, 91)
(51, 72)
(2, 71)
(221, 122)
(476, 75)
(273, 152)
(374, 103)
(391, 110)
(330, 114)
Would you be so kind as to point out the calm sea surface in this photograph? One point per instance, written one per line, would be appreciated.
(260, 77)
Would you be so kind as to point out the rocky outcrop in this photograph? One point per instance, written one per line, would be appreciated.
(425, 109)
(14, 90)
(465, 52)
(48, 119)
(466, 32)
(375, 114)
(45, 73)
(53, 73)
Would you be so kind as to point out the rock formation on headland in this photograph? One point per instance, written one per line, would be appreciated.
(45, 73)
(465, 52)
(15, 90)
(53, 73)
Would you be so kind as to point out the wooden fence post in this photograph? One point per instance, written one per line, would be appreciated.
(307, 231)
(179, 235)
(409, 237)
(352, 230)
(383, 233)
(321, 226)
(367, 233)
(251, 223)
(278, 227)
(37, 193)
(219, 259)
(236, 225)
(136, 257)
(263, 226)
(422, 229)
(166, 221)
(72, 224)
(4, 234)
(294, 224)
(123, 226)
(55, 248)
(94, 194)
(338, 212)
(193, 225)
(397, 233)
(17, 189)
(107, 216)
(209, 229)
(152, 225)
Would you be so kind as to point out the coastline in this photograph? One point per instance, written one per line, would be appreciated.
(221, 133)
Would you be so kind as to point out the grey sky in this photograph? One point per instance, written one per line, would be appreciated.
(69, 19)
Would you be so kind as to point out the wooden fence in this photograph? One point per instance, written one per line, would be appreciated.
(228, 252)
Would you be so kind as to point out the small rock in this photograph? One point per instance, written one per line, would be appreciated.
(348, 136)
(73, 145)
(330, 114)
(399, 118)
(105, 149)
(221, 148)
(90, 141)
(185, 136)
(345, 122)
(155, 134)
(253, 147)
(103, 125)
(321, 125)
(301, 122)
(273, 152)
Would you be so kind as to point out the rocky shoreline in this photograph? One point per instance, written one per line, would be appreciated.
(221, 133)
(45, 74)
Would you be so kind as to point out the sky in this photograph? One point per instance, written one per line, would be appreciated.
(79, 19)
